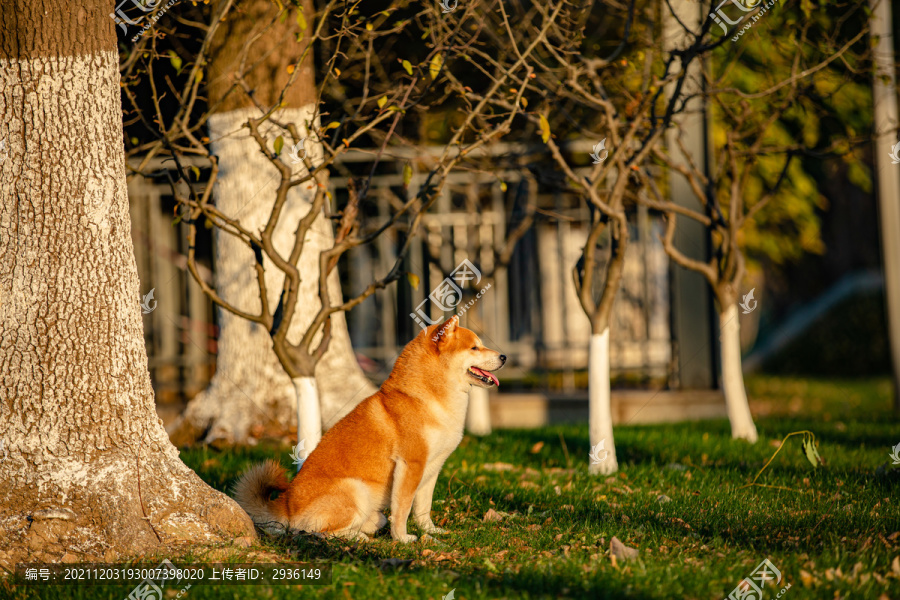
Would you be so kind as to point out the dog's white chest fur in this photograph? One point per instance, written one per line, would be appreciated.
(443, 440)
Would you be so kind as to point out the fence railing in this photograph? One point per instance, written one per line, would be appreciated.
(530, 310)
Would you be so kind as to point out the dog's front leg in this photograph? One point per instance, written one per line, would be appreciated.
(422, 504)
(407, 476)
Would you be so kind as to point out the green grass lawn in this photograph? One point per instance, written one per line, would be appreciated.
(834, 534)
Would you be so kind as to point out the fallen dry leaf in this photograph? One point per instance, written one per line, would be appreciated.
(619, 550)
(491, 515)
(560, 471)
(498, 466)
(537, 447)
(444, 556)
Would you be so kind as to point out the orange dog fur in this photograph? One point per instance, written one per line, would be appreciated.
(388, 451)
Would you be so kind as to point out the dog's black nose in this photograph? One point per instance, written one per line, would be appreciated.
(503, 358)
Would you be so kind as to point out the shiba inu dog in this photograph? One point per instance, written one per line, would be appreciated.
(387, 452)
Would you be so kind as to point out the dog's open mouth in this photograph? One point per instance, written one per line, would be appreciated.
(484, 376)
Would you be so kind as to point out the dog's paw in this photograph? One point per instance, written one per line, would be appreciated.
(406, 538)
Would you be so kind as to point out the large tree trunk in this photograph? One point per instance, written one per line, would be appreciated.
(603, 449)
(88, 471)
(249, 386)
(742, 426)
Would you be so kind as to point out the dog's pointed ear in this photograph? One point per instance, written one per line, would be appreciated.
(450, 325)
(446, 330)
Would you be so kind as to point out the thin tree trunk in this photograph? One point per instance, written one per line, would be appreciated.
(478, 416)
(742, 426)
(89, 473)
(308, 415)
(250, 387)
(603, 450)
(887, 121)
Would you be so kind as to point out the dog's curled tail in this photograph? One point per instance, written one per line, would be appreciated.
(252, 491)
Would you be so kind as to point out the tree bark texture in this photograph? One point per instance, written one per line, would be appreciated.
(88, 470)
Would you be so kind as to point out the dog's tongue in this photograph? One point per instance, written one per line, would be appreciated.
(487, 374)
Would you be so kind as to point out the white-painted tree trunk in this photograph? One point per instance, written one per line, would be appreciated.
(887, 120)
(309, 430)
(250, 386)
(88, 473)
(478, 416)
(603, 449)
(742, 426)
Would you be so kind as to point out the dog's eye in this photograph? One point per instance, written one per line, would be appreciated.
(474, 347)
